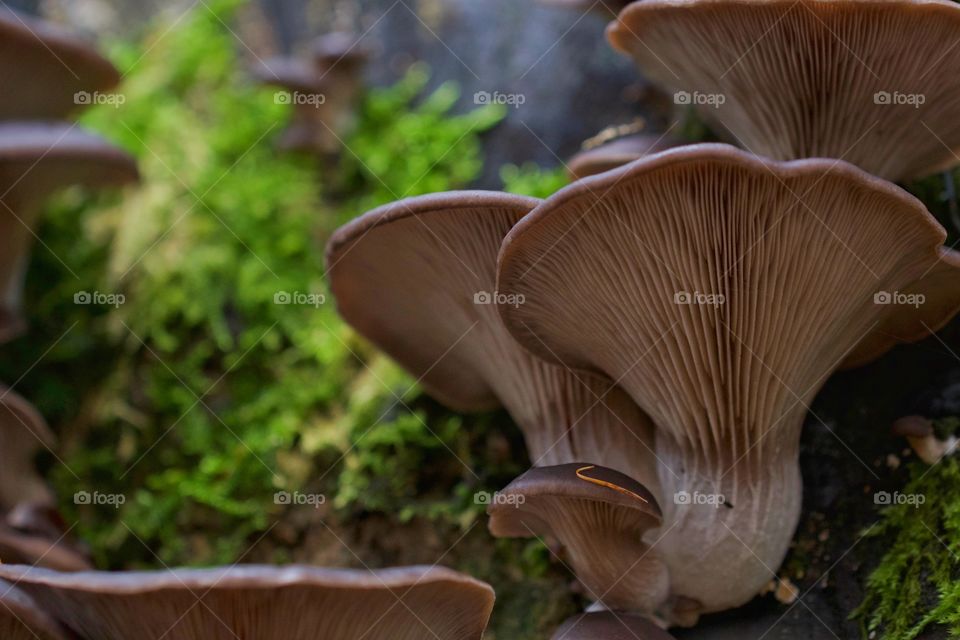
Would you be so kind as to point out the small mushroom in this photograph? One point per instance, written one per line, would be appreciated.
(600, 517)
(609, 625)
(324, 92)
(262, 603)
(721, 290)
(37, 159)
(616, 153)
(869, 82)
(22, 619)
(923, 439)
(23, 433)
(418, 278)
(47, 73)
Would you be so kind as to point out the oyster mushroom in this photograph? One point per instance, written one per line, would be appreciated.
(417, 278)
(262, 603)
(721, 290)
(869, 81)
(22, 619)
(607, 625)
(37, 159)
(923, 439)
(600, 517)
(324, 92)
(616, 153)
(47, 73)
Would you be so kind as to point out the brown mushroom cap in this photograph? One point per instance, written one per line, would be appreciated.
(721, 290)
(43, 67)
(913, 427)
(338, 48)
(609, 625)
(600, 516)
(23, 433)
(22, 619)
(616, 153)
(28, 548)
(417, 278)
(36, 159)
(815, 78)
(263, 603)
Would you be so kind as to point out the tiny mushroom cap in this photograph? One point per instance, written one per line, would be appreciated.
(923, 439)
(418, 279)
(263, 603)
(37, 159)
(21, 547)
(23, 433)
(47, 72)
(616, 153)
(609, 625)
(869, 81)
(330, 84)
(721, 290)
(600, 516)
(22, 619)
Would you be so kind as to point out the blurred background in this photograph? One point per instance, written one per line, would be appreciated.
(206, 399)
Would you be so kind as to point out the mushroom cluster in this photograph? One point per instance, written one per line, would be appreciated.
(48, 75)
(659, 328)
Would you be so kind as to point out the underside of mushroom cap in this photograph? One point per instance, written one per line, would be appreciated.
(609, 625)
(869, 81)
(417, 278)
(720, 290)
(616, 153)
(22, 619)
(600, 516)
(37, 159)
(47, 72)
(263, 603)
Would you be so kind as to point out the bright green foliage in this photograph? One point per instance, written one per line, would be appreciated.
(917, 583)
(201, 395)
(531, 180)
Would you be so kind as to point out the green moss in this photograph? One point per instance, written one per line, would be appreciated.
(532, 180)
(917, 583)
